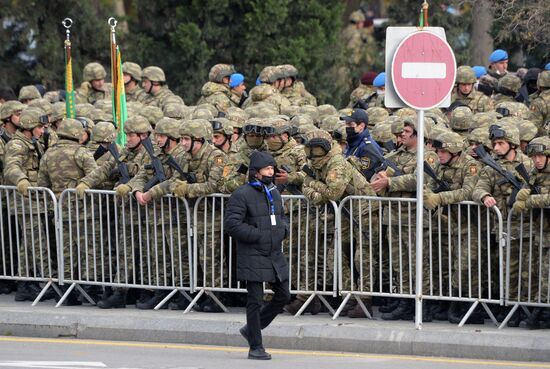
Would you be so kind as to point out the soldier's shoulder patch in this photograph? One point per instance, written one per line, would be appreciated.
(331, 176)
(430, 160)
(365, 161)
(226, 171)
(473, 169)
(218, 160)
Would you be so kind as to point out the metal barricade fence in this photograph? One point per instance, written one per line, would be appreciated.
(28, 234)
(527, 261)
(310, 248)
(108, 241)
(462, 253)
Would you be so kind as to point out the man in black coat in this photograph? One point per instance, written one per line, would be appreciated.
(255, 219)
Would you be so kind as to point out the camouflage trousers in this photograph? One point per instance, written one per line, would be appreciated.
(36, 258)
(213, 249)
(9, 248)
(367, 247)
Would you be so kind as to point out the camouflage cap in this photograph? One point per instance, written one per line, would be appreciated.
(71, 129)
(84, 110)
(93, 71)
(538, 146)
(449, 141)
(153, 74)
(104, 132)
(29, 93)
(527, 130)
(132, 69)
(465, 74)
(176, 111)
(219, 71)
(543, 79)
(58, 110)
(30, 118)
(288, 71)
(269, 74)
(357, 16)
(152, 113)
(376, 115)
(222, 125)
(137, 124)
(461, 118)
(237, 116)
(169, 127)
(510, 83)
(43, 104)
(197, 129)
(9, 108)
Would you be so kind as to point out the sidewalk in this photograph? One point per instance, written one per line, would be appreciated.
(308, 332)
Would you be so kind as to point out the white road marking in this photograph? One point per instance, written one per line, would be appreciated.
(53, 364)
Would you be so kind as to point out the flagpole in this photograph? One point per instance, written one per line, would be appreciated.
(70, 110)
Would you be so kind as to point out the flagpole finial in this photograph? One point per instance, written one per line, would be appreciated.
(67, 23)
(112, 22)
(425, 5)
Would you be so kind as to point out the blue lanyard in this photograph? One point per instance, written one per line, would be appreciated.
(267, 193)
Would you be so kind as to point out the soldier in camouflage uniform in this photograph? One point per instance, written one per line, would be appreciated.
(467, 94)
(62, 167)
(10, 112)
(94, 87)
(460, 120)
(459, 170)
(216, 91)
(540, 107)
(491, 190)
(206, 163)
(222, 134)
(266, 91)
(21, 160)
(508, 88)
(137, 128)
(153, 81)
(539, 151)
(157, 257)
(28, 94)
(402, 224)
(132, 77)
(292, 89)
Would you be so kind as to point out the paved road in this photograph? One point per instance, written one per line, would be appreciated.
(20, 352)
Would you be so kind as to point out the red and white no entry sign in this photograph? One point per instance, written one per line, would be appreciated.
(423, 70)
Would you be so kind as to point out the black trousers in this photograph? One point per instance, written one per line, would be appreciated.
(258, 317)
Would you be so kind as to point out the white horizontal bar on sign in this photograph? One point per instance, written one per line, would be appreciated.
(424, 70)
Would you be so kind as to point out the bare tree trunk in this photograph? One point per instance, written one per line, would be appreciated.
(120, 11)
(481, 43)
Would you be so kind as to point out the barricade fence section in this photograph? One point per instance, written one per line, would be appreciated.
(462, 253)
(109, 241)
(28, 234)
(310, 248)
(528, 261)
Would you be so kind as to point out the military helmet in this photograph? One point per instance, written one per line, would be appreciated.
(330, 123)
(269, 74)
(449, 141)
(318, 138)
(397, 124)
(196, 128)
(311, 111)
(104, 132)
(527, 130)
(509, 82)
(465, 74)
(506, 132)
(288, 71)
(461, 118)
(169, 127)
(58, 111)
(86, 123)
(173, 99)
(326, 110)
(538, 146)
(153, 74)
(133, 69)
(542, 81)
(222, 125)
(176, 111)
(376, 115)
(262, 110)
(277, 126)
(84, 109)
(152, 113)
(219, 71)
(291, 110)
(70, 128)
(208, 106)
(29, 93)
(301, 120)
(237, 116)
(200, 113)
(43, 104)
(137, 124)
(105, 104)
(480, 136)
(406, 112)
(9, 108)
(382, 132)
(32, 117)
(98, 115)
(484, 119)
(357, 16)
(93, 71)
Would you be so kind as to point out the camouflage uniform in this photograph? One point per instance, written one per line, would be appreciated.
(265, 92)
(158, 99)
(508, 87)
(86, 93)
(476, 100)
(540, 107)
(137, 93)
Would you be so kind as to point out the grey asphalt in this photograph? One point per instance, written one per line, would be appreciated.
(287, 332)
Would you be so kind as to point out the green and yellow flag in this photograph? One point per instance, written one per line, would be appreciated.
(70, 104)
(120, 114)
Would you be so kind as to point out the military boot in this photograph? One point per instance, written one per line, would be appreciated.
(427, 311)
(357, 311)
(150, 304)
(116, 301)
(391, 305)
(179, 302)
(24, 292)
(533, 321)
(210, 306)
(405, 311)
(456, 312)
(441, 312)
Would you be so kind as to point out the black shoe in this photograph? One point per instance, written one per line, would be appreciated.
(144, 296)
(25, 292)
(116, 301)
(244, 332)
(158, 296)
(514, 320)
(390, 306)
(179, 303)
(456, 312)
(532, 322)
(258, 354)
(427, 312)
(210, 306)
(404, 311)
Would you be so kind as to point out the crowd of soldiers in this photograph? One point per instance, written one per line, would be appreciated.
(321, 152)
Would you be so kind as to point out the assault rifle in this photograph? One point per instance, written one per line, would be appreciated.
(122, 168)
(375, 156)
(441, 184)
(156, 165)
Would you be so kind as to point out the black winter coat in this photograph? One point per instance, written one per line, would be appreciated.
(259, 244)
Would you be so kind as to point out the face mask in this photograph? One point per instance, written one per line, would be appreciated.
(380, 92)
(350, 132)
(275, 145)
(254, 141)
(267, 180)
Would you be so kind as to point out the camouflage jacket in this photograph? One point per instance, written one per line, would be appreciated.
(158, 99)
(292, 155)
(107, 171)
(540, 110)
(87, 94)
(298, 95)
(477, 101)
(461, 176)
(64, 165)
(138, 94)
(5, 137)
(266, 93)
(22, 160)
(218, 95)
(405, 160)
(542, 181)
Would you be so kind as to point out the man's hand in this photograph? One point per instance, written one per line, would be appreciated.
(432, 200)
(23, 187)
(281, 177)
(380, 183)
(123, 190)
(81, 190)
(182, 189)
(143, 198)
(519, 206)
(523, 194)
(489, 201)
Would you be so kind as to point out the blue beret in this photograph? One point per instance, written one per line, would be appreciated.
(380, 80)
(235, 80)
(498, 55)
(547, 66)
(479, 70)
